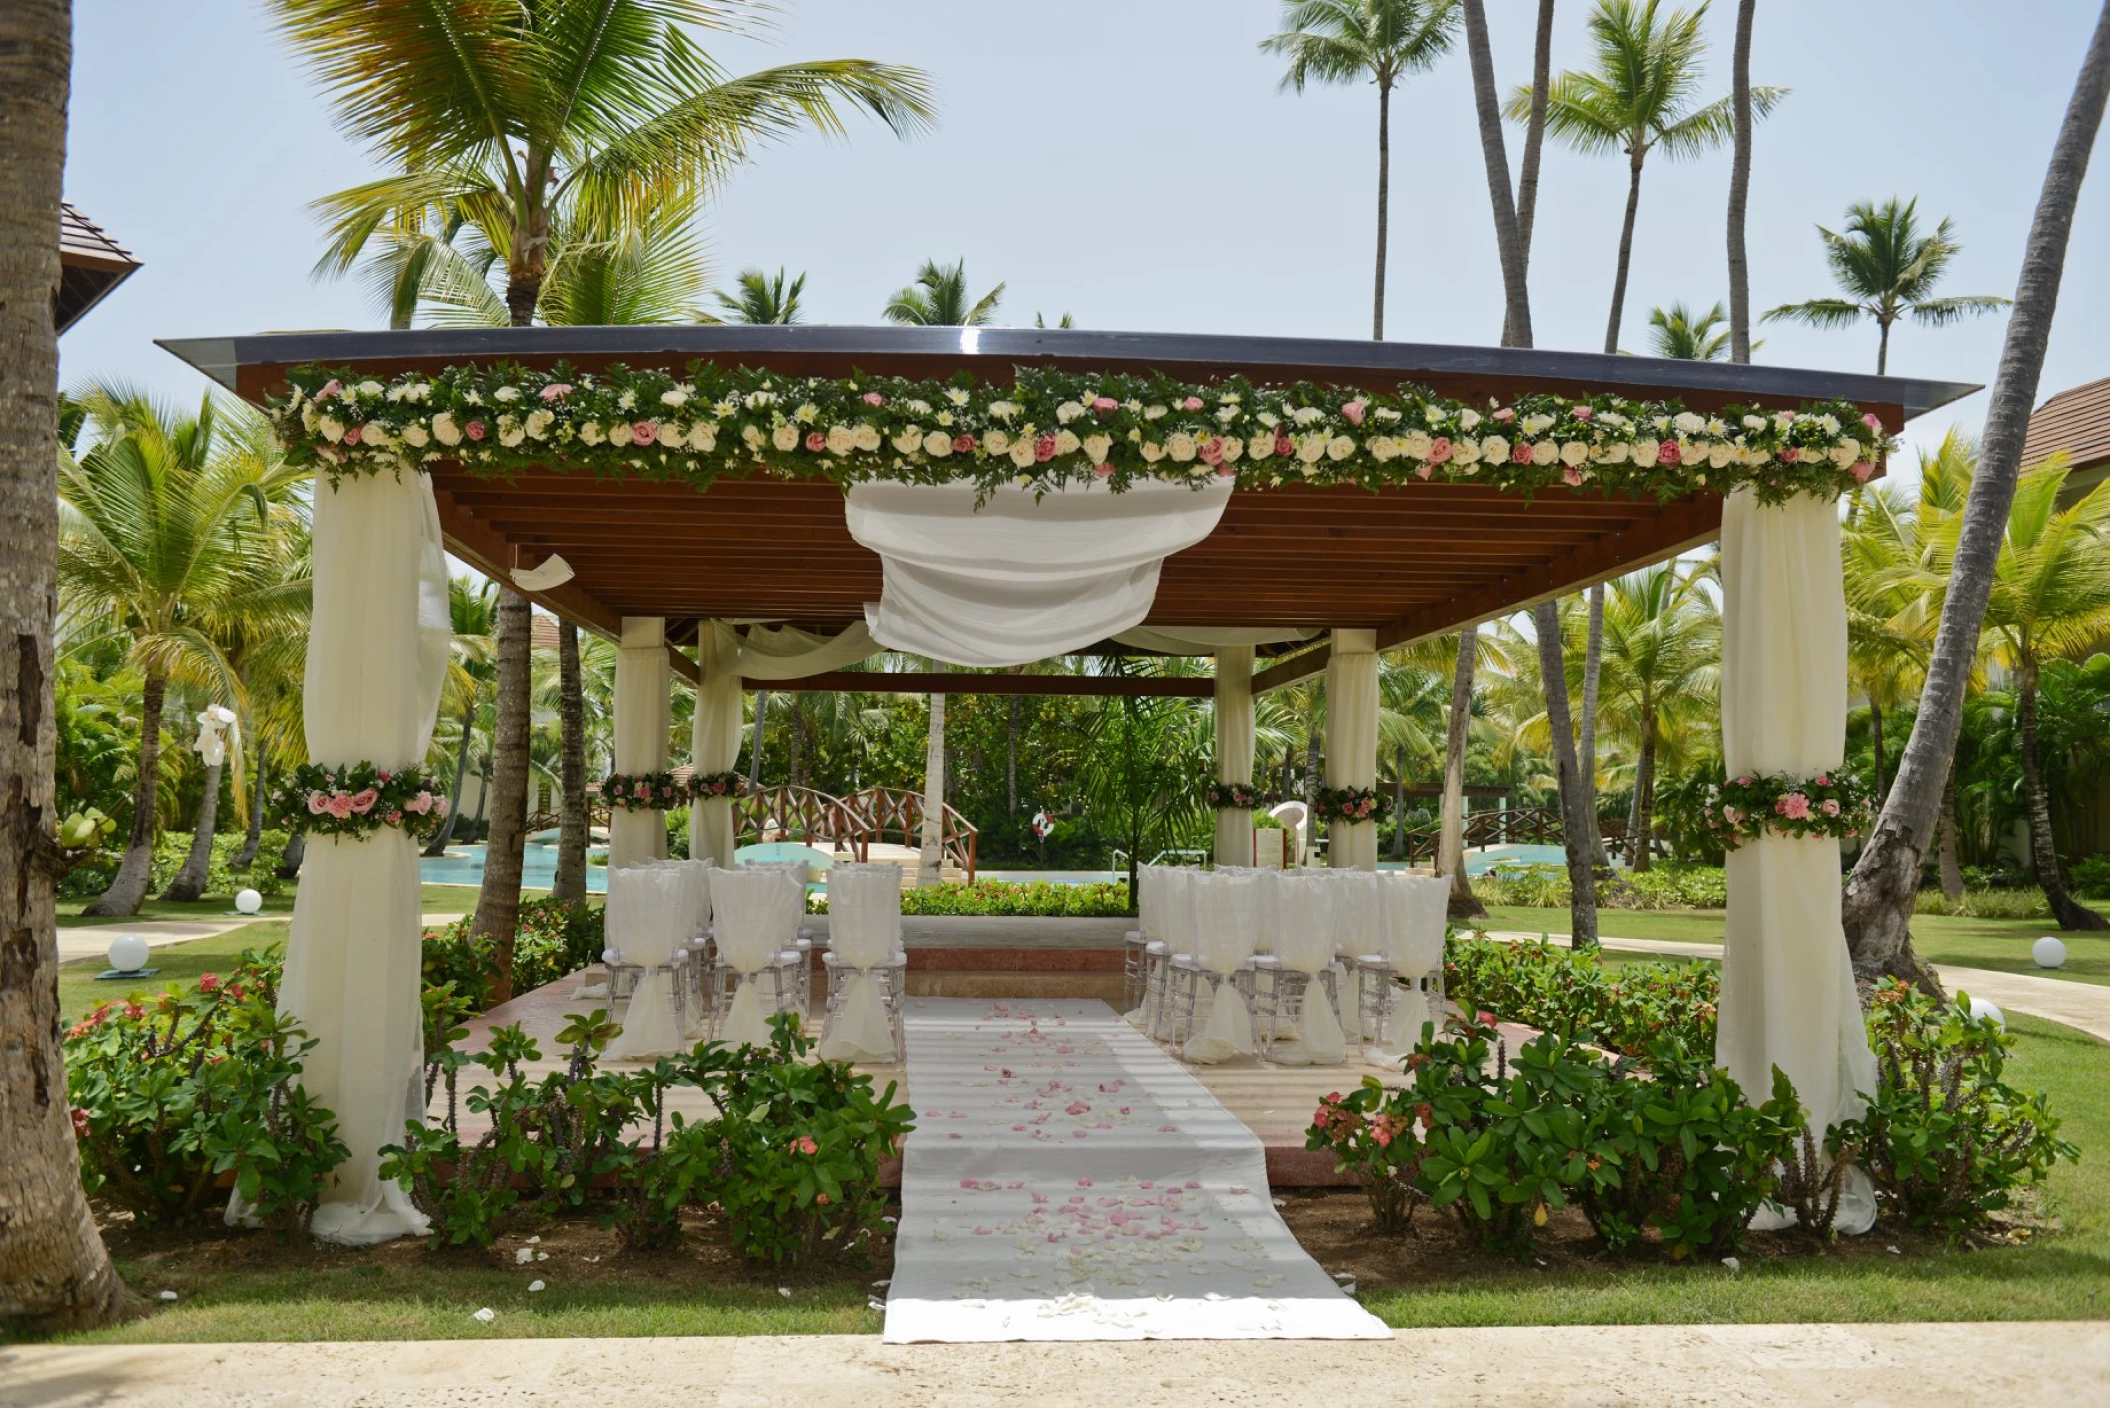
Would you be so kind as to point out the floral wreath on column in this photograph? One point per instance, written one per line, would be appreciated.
(357, 801)
(1351, 804)
(644, 791)
(1235, 796)
(1829, 805)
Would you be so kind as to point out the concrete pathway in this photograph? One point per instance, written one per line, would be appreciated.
(93, 940)
(2082, 1005)
(1916, 1366)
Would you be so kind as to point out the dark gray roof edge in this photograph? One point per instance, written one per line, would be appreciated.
(220, 357)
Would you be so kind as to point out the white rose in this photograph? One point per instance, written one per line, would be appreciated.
(511, 436)
(308, 417)
(1305, 415)
(506, 393)
(1233, 449)
(369, 388)
(1468, 418)
(1098, 447)
(865, 437)
(1154, 413)
(1067, 412)
(703, 437)
(589, 434)
(1003, 410)
(416, 436)
(1152, 452)
(676, 397)
(841, 440)
(1536, 423)
(1689, 424)
(1494, 449)
(908, 441)
(539, 422)
(997, 442)
(1645, 452)
(1545, 452)
(1844, 455)
(785, 437)
(752, 437)
(1022, 453)
(1066, 442)
(331, 428)
(1418, 444)
(1754, 422)
(756, 400)
(1340, 448)
(937, 445)
(447, 432)
(1260, 446)
(1465, 451)
(921, 408)
(1382, 448)
(619, 433)
(1719, 456)
(1268, 419)
(1573, 453)
(1180, 445)
(1311, 449)
(1614, 453)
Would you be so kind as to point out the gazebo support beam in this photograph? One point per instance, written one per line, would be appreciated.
(489, 553)
(904, 682)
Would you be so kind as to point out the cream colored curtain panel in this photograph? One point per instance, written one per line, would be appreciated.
(1788, 996)
(642, 701)
(1234, 749)
(1351, 741)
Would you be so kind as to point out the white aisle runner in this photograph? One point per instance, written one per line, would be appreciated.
(1069, 1181)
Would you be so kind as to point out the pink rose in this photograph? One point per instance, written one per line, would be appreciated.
(1105, 405)
(363, 800)
(330, 388)
(963, 444)
(1192, 403)
(1794, 806)
(1828, 807)
(1354, 411)
(1861, 470)
(1823, 780)
(339, 805)
(317, 803)
(1212, 451)
(421, 804)
(439, 806)
(1044, 446)
(330, 453)
(644, 432)
(1730, 815)
(1789, 454)
(351, 437)
(1283, 446)
(1440, 449)
(395, 818)
(1505, 415)
(1102, 470)
(816, 441)
(1582, 412)
(873, 398)
(641, 790)
(1570, 475)
(382, 776)
(1423, 471)
(1872, 421)
(1667, 452)
(1520, 453)
(556, 391)
(474, 430)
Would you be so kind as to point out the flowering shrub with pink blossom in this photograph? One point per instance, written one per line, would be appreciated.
(1831, 804)
(645, 791)
(1351, 804)
(1051, 427)
(358, 800)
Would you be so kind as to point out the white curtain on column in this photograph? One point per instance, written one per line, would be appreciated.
(1788, 995)
(714, 739)
(1234, 749)
(641, 710)
(1016, 579)
(377, 652)
(1351, 741)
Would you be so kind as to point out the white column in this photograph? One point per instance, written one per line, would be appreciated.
(714, 739)
(1351, 741)
(378, 636)
(1234, 749)
(641, 711)
(1788, 996)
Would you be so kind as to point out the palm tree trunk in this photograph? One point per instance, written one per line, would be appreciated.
(1011, 755)
(1626, 254)
(1509, 245)
(1875, 745)
(1593, 670)
(54, 1273)
(1577, 823)
(1399, 807)
(1951, 872)
(295, 852)
(2043, 851)
(1740, 186)
(189, 883)
(253, 839)
(438, 845)
(136, 871)
(497, 920)
(1640, 848)
(483, 793)
(1384, 185)
(754, 752)
(930, 862)
(1314, 741)
(1880, 892)
(569, 883)
(1535, 129)
(795, 742)
(1883, 347)
(1450, 841)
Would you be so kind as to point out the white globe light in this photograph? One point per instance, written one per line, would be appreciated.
(1981, 1009)
(2049, 952)
(248, 901)
(128, 953)
(609, 955)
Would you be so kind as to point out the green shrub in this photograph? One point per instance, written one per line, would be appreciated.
(91, 877)
(1626, 1008)
(172, 1094)
(1669, 885)
(555, 938)
(984, 898)
(1986, 904)
(2090, 875)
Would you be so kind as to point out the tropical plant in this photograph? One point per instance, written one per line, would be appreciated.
(472, 665)
(1677, 333)
(1637, 99)
(168, 540)
(1888, 270)
(1662, 641)
(1358, 41)
(1742, 119)
(939, 298)
(1144, 776)
(762, 299)
(1885, 881)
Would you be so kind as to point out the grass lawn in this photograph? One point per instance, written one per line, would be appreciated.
(79, 990)
(436, 899)
(2001, 944)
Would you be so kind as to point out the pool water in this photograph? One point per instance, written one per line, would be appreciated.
(464, 865)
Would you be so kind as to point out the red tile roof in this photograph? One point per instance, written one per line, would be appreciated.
(2077, 421)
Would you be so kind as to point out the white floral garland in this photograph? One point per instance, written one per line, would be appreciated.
(1052, 428)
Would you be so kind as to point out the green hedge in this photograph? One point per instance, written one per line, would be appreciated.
(86, 881)
(990, 898)
(1668, 886)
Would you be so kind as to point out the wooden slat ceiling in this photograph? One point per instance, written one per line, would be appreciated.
(1408, 561)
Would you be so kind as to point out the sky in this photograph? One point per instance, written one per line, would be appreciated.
(1133, 163)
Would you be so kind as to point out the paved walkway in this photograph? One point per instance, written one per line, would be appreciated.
(93, 940)
(2082, 1005)
(1915, 1366)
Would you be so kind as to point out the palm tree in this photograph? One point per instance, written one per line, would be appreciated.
(1674, 332)
(1741, 120)
(1357, 41)
(652, 272)
(762, 299)
(1888, 270)
(1662, 654)
(167, 540)
(54, 1271)
(938, 298)
(472, 665)
(1638, 99)
(1885, 879)
(544, 118)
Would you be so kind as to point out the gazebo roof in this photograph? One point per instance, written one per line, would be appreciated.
(1409, 560)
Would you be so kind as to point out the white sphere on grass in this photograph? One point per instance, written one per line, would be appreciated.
(248, 902)
(1981, 1009)
(2049, 952)
(128, 953)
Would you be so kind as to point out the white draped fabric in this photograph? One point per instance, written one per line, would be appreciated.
(1207, 640)
(649, 914)
(1227, 923)
(1411, 913)
(1018, 579)
(1234, 749)
(1304, 941)
(864, 929)
(642, 701)
(714, 738)
(747, 914)
(1355, 932)
(787, 653)
(377, 653)
(1788, 996)
(1351, 741)
(1176, 919)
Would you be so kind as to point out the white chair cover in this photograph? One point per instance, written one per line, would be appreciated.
(1175, 886)
(1227, 920)
(864, 929)
(1355, 932)
(748, 909)
(648, 918)
(1304, 941)
(1412, 911)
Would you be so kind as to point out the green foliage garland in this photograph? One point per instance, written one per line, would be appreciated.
(1831, 804)
(358, 800)
(645, 791)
